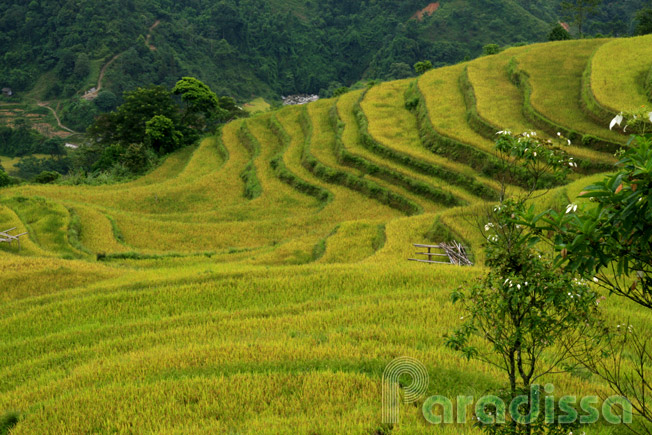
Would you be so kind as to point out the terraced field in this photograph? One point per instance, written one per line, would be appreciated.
(259, 282)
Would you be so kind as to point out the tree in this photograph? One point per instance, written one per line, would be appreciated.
(610, 240)
(607, 241)
(579, 10)
(423, 66)
(128, 123)
(198, 99)
(644, 21)
(5, 180)
(399, 70)
(82, 66)
(162, 135)
(106, 101)
(490, 49)
(525, 307)
(54, 147)
(558, 33)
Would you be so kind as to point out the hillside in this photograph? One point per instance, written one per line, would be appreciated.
(55, 50)
(260, 278)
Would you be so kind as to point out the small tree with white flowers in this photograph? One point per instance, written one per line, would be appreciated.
(517, 317)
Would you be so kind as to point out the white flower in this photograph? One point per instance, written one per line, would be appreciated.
(571, 208)
(518, 286)
(595, 279)
(535, 154)
(617, 120)
(569, 142)
(525, 282)
(559, 134)
(650, 116)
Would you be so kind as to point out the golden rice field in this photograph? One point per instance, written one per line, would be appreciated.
(258, 282)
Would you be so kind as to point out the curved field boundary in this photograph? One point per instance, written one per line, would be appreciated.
(439, 144)
(97, 233)
(618, 72)
(285, 175)
(475, 120)
(521, 79)
(589, 103)
(417, 187)
(352, 242)
(252, 187)
(47, 223)
(487, 129)
(366, 187)
(75, 231)
(467, 183)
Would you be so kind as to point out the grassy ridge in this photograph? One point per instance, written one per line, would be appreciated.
(618, 72)
(388, 173)
(326, 173)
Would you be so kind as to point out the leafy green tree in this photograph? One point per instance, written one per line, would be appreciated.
(525, 308)
(610, 240)
(198, 99)
(161, 134)
(5, 180)
(607, 240)
(106, 101)
(137, 158)
(644, 21)
(579, 10)
(340, 91)
(128, 123)
(231, 109)
(47, 177)
(54, 147)
(558, 33)
(490, 49)
(79, 114)
(399, 70)
(422, 67)
(82, 66)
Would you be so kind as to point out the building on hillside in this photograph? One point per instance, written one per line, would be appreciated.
(7, 92)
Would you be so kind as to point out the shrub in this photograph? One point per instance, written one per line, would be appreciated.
(5, 180)
(47, 177)
(558, 33)
(490, 49)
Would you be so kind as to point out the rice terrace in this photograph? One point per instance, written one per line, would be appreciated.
(258, 281)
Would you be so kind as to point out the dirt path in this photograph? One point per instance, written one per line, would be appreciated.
(91, 95)
(428, 10)
(149, 35)
(56, 116)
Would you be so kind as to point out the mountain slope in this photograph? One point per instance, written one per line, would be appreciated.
(251, 47)
(180, 302)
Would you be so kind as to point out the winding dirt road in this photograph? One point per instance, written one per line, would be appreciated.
(149, 34)
(56, 116)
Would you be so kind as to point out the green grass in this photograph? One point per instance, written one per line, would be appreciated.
(556, 81)
(213, 312)
(619, 70)
(259, 105)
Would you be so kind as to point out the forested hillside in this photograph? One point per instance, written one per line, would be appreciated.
(56, 48)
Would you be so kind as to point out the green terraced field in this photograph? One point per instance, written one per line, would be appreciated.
(258, 282)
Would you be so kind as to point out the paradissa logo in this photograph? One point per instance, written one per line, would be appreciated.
(492, 409)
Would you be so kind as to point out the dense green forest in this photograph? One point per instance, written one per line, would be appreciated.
(245, 47)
